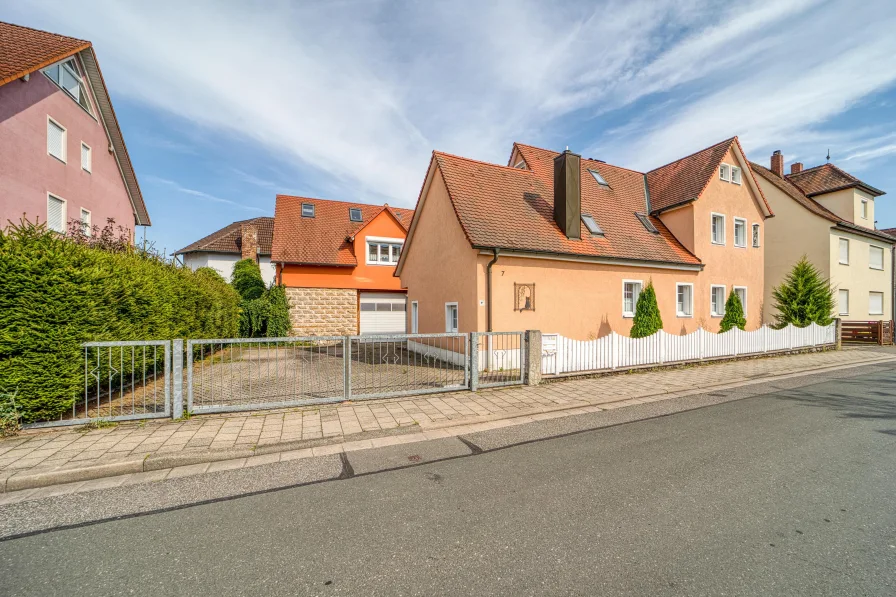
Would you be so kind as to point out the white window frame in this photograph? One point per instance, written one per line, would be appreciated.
(679, 313)
(64, 158)
(640, 283)
(864, 212)
(712, 217)
(840, 309)
(88, 222)
(881, 312)
(382, 240)
(840, 251)
(743, 303)
(64, 212)
(870, 251)
(756, 239)
(725, 172)
(313, 210)
(736, 173)
(89, 167)
(724, 298)
(744, 222)
(415, 317)
(449, 321)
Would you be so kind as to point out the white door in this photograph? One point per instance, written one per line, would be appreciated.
(383, 313)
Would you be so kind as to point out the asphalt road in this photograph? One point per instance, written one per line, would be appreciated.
(789, 493)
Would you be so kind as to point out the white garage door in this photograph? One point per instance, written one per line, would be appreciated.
(383, 313)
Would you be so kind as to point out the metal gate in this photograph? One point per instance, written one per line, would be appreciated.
(499, 359)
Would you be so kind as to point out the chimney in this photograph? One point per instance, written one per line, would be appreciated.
(778, 163)
(796, 167)
(249, 244)
(568, 193)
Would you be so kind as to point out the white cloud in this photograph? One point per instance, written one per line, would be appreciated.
(177, 187)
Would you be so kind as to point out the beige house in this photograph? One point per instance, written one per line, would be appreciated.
(563, 244)
(828, 215)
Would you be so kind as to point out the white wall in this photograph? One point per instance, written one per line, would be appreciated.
(223, 264)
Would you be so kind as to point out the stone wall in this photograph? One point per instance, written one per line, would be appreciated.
(323, 311)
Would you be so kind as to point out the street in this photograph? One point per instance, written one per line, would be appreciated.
(787, 493)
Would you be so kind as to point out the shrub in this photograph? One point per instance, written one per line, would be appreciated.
(647, 314)
(279, 324)
(803, 297)
(266, 316)
(734, 314)
(57, 293)
(247, 280)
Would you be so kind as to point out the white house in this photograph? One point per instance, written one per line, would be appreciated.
(246, 239)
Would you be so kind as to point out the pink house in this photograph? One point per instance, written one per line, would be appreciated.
(62, 153)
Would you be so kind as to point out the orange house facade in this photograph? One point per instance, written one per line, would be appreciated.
(337, 261)
(565, 245)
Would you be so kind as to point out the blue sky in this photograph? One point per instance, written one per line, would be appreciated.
(223, 104)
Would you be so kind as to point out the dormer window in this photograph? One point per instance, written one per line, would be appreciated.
(307, 210)
(66, 75)
(600, 179)
(354, 214)
(592, 225)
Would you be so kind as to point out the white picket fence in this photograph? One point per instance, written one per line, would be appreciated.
(564, 355)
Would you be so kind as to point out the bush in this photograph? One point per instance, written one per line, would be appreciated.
(647, 314)
(246, 279)
(279, 324)
(734, 314)
(803, 297)
(57, 293)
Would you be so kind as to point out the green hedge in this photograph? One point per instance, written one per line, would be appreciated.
(56, 293)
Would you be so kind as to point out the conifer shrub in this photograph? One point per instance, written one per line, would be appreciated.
(734, 314)
(803, 297)
(647, 314)
(58, 292)
(264, 313)
(246, 279)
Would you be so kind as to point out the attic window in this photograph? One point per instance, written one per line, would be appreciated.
(307, 210)
(647, 223)
(66, 75)
(354, 214)
(600, 179)
(521, 165)
(592, 225)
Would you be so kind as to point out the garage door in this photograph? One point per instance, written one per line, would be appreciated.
(383, 313)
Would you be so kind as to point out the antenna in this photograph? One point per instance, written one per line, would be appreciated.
(829, 155)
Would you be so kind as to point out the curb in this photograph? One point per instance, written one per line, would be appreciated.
(156, 462)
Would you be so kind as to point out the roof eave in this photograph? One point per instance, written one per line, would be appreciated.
(857, 185)
(593, 258)
(45, 63)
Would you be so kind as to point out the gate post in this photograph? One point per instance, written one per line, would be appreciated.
(474, 361)
(346, 368)
(177, 399)
(533, 358)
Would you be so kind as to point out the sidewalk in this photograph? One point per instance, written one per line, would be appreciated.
(41, 458)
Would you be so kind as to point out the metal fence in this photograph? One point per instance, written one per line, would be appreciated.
(500, 358)
(123, 381)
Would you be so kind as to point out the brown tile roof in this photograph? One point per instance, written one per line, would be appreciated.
(24, 50)
(827, 178)
(229, 239)
(512, 208)
(792, 191)
(889, 231)
(323, 239)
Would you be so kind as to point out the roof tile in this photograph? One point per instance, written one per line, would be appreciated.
(827, 178)
(24, 50)
(229, 239)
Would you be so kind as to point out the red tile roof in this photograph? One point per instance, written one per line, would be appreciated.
(229, 239)
(24, 50)
(512, 208)
(323, 239)
(827, 178)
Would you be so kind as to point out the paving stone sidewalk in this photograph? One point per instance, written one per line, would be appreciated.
(203, 437)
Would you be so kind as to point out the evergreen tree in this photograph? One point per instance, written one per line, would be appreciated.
(247, 280)
(734, 314)
(803, 297)
(647, 314)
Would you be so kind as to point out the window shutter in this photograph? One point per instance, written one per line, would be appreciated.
(85, 157)
(844, 302)
(876, 303)
(877, 258)
(55, 140)
(844, 250)
(55, 214)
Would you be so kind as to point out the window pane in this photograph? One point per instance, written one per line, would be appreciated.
(53, 72)
(740, 233)
(85, 157)
(742, 295)
(876, 303)
(55, 140)
(843, 300)
(55, 214)
(371, 254)
(844, 250)
(735, 175)
(396, 253)
(384, 253)
(877, 258)
(755, 235)
(71, 84)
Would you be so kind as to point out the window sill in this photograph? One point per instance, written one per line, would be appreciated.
(879, 269)
(718, 244)
(740, 246)
(717, 315)
(628, 315)
(841, 263)
(393, 264)
(683, 316)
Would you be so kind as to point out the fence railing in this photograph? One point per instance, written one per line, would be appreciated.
(869, 332)
(564, 355)
(123, 381)
(499, 358)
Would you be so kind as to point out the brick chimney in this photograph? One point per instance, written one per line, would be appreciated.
(778, 163)
(568, 193)
(796, 167)
(249, 244)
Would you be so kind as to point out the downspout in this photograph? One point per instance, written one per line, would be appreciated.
(488, 289)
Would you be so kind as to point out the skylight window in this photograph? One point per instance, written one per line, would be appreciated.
(647, 223)
(354, 214)
(307, 210)
(592, 225)
(600, 179)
